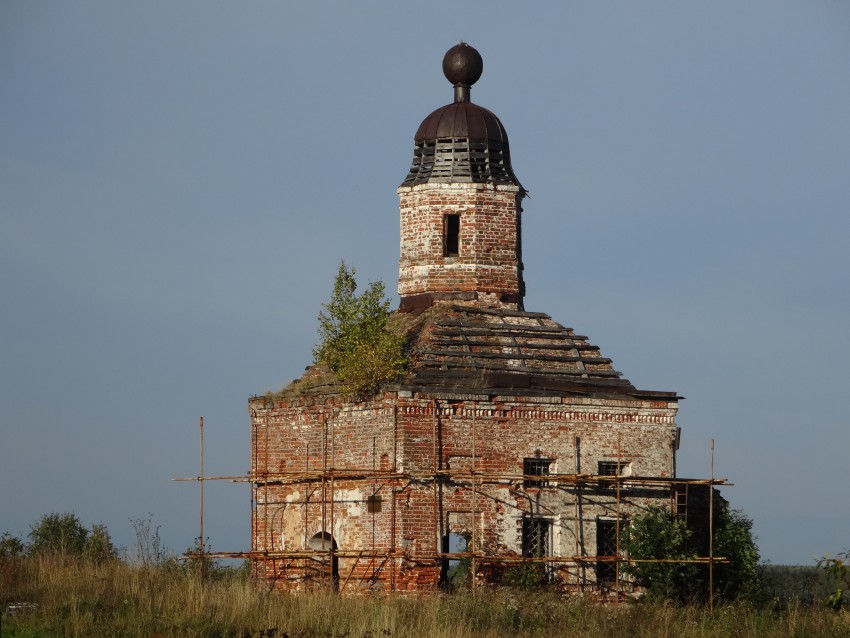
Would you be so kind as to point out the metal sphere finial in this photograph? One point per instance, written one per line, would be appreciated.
(462, 66)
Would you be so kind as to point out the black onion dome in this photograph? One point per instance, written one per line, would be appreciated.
(461, 142)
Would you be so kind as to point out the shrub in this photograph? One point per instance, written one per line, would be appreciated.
(733, 540)
(58, 534)
(65, 534)
(838, 569)
(98, 547)
(10, 545)
(657, 535)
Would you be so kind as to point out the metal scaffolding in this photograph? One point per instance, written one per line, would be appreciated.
(325, 482)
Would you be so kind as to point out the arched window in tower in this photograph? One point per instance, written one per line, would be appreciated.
(452, 233)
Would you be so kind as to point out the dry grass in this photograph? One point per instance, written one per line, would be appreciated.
(76, 598)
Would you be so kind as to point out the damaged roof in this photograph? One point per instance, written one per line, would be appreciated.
(462, 348)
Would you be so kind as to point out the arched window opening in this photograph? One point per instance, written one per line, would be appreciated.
(324, 542)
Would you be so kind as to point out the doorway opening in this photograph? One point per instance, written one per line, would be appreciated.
(324, 542)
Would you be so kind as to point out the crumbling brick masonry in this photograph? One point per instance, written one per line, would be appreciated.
(511, 446)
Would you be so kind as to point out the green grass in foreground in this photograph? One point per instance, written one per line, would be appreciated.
(77, 598)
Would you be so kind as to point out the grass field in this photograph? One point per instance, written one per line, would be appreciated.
(55, 596)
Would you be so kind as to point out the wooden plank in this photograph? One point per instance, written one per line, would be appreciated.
(501, 312)
(497, 327)
(518, 356)
(539, 371)
(543, 346)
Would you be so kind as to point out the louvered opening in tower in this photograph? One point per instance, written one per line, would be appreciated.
(460, 160)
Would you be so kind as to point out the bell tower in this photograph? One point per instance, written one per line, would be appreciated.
(460, 204)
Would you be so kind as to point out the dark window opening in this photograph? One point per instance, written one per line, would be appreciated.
(535, 538)
(454, 573)
(452, 247)
(611, 468)
(535, 467)
(606, 548)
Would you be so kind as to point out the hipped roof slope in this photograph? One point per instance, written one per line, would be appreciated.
(465, 348)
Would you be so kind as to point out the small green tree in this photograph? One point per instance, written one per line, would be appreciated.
(59, 534)
(99, 547)
(733, 540)
(10, 545)
(355, 341)
(658, 536)
(838, 569)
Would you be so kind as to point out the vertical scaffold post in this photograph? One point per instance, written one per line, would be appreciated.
(617, 531)
(331, 550)
(201, 490)
(307, 494)
(576, 486)
(473, 522)
(252, 493)
(324, 491)
(711, 534)
(438, 530)
(266, 445)
(393, 559)
(374, 491)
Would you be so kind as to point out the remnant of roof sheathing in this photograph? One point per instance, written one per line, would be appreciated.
(471, 348)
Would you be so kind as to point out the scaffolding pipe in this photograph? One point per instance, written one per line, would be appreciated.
(252, 491)
(480, 556)
(483, 477)
(324, 478)
(333, 486)
(473, 522)
(617, 532)
(201, 488)
(266, 485)
(711, 534)
(394, 564)
(438, 532)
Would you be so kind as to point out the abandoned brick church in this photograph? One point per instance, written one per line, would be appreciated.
(510, 444)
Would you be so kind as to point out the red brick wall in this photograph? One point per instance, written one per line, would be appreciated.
(489, 259)
(362, 444)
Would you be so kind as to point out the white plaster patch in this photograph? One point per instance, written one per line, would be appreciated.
(353, 500)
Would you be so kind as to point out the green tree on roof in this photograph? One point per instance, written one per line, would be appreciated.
(356, 342)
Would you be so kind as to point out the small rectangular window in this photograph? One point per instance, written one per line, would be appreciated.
(452, 245)
(535, 467)
(606, 549)
(612, 468)
(536, 537)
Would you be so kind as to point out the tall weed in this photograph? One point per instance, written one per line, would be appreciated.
(56, 595)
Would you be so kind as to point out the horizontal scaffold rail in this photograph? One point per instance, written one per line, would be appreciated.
(540, 480)
(479, 557)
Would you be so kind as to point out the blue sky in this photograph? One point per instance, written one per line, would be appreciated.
(179, 181)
